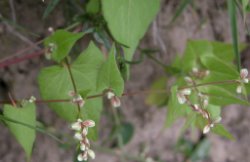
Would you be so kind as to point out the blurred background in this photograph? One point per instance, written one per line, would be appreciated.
(22, 24)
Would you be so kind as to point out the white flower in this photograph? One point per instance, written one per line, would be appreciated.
(188, 79)
(79, 100)
(91, 154)
(206, 129)
(110, 95)
(243, 75)
(83, 147)
(88, 123)
(32, 99)
(84, 131)
(115, 102)
(77, 125)
(195, 70)
(78, 136)
(239, 89)
(82, 156)
(181, 95)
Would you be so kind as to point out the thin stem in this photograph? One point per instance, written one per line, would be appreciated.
(210, 83)
(73, 83)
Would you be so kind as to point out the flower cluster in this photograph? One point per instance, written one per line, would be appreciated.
(198, 73)
(182, 95)
(115, 101)
(243, 79)
(77, 99)
(81, 128)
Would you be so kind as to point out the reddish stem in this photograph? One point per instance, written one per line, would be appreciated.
(11, 61)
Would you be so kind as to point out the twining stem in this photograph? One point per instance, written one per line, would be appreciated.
(129, 93)
(210, 83)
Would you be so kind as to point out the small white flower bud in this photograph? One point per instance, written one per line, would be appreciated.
(76, 126)
(205, 115)
(32, 99)
(246, 80)
(91, 154)
(83, 147)
(239, 89)
(206, 129)
(82, 157)
(186, 91)
(196, 107)
(78, 136)
(88, 123)
(195, 70)
(85, 131)
(110, 95)
(79, 100)
(243, 73)
(115, 102)
(51, 29)
(188, 79)
(205, 102)
(207, 72)
(181, 98)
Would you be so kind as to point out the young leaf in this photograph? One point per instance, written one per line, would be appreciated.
(61, 43)
(109, 76)
(220, 130)
(128, 20)
(55, 83)
(24, 135)
(221, 96)
(234, 30)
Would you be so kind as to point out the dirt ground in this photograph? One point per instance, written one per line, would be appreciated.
(207, 20)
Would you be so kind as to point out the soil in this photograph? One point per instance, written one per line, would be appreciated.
(206, 20)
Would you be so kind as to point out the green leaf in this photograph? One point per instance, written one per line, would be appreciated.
(220, 130)
(158, 99)
(221, 96)
(61, 42)
(52, 4)
(24, 135)
(194, 49)
(213, 63)
(55, 83)
(234, 31)
(109, 76)
(183, 5)
(174, 109)
(126, 131)
(214, 111)
(93, 6)
(201, 151)
(128, 20)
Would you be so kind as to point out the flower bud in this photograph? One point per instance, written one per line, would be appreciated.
(115, 101)
(76, 126)
(206, 129)
(78, 136)
(91, 154)
(88, 123)
(243, 73)
(110, 95)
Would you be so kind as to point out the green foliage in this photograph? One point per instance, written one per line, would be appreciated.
(216, 79)
(234, 30)
(23, 134)
(158, 99)
(109, 76)
(60, 43)
(127, 131)
(55, 83)
(93, 6)
(128, 20)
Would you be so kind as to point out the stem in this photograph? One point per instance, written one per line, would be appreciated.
(210, 83)
(73, 83)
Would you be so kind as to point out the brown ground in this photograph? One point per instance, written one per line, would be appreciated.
(208, 21)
